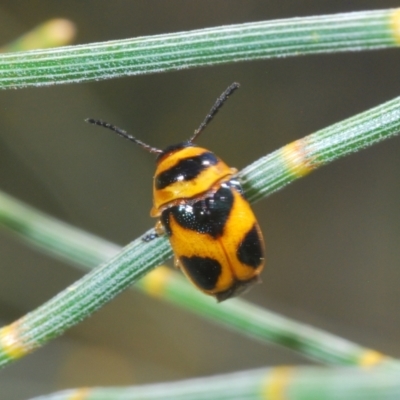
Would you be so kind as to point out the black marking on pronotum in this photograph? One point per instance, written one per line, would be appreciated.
(172, 148)
(204, 271)
(206, 216)
(250, 251)
(186, 169)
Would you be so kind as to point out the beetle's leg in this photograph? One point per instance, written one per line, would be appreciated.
(158, 231)
(177, 263)
(150, 236)
(159, 228)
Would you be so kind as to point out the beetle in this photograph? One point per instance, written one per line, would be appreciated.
(201, 206)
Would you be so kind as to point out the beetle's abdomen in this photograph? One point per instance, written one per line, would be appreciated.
(217, 241)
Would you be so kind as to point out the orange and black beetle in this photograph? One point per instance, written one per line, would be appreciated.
(201, 207)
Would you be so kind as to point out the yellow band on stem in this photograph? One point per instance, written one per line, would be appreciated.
(11, 343)
(395, 24)
(155, 282)
(276, 383)
(80, 394)
(371, 358)
(52, 33)
(295, 158)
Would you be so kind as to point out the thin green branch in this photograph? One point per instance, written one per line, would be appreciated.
(102, 284)
(53, 236)
(276, 170)
(243, 42)
(289, 383)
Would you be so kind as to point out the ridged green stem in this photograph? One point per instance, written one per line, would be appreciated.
(297, 383)
(243, 42)
(271, 173)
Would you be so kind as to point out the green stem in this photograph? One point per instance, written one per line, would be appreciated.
(274, 171)
(295, 383)
(232, 43)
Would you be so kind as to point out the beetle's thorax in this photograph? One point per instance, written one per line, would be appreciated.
(185, 171)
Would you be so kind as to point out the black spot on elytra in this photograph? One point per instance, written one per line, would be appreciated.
(185, 170)
(204, 271)
(250, 250)
(206, 216)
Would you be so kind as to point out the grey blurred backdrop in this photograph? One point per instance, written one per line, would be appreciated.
(332, 238)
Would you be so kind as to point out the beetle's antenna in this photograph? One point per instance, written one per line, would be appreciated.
(123, 133)
(215, 108)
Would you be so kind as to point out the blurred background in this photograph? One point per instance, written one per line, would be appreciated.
(332, 238)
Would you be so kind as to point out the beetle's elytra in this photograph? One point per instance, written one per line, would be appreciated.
(201, 207)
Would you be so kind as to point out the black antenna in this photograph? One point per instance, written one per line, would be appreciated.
(215, 108)
(123, 133)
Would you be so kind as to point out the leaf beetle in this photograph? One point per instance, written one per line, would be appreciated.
(200, 204)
